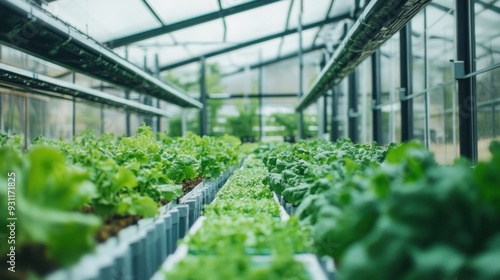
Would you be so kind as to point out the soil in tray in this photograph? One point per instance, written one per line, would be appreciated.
(189, 185)
(113, 225)
(31, 258)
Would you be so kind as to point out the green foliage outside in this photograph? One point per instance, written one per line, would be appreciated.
(248, 118)
(213, 85)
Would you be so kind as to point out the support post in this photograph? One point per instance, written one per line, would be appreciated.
(376, 98)
(157, 75)
(261, 90)
(101, 87)
(146, 99)
(127, 96)
(301, 72)
(325, 115)
(467, 114)
(73, 117)
(334, 132)
(352, 112)
(322, 103)
(26, 122)
(406, 84)
(203, 100)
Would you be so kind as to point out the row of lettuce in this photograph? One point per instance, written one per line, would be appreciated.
(68, 195)
(244, 221)
(392, 212)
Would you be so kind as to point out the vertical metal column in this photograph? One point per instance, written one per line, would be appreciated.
(127, 96)
(127, 115)
(325, 115)
(427, 99)
(157, 75)
(323, 102)
(301, 71)
(261, 90)
(101, 87)
(73, 117)
(406, 84)
(26, 122)
(467, 115)
(1, 111)
(376, 98)
(102, 118)
(203, 99)
(146, 99)
(183, 121)
(334, 131)
(353, 107)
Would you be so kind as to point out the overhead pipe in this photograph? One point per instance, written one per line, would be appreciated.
(30, 29)
(28, 80)
(379, 21)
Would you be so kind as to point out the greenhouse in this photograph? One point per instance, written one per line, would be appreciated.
(249, 139)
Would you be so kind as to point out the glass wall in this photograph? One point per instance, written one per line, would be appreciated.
(365, 102)
(32, 113)
(341, 93)
(487, 59)
(390, 74)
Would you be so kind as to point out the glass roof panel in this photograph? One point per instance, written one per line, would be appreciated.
(258, 22)
(173, 11)
(314, 11)
(210, 32)
(111, 19)
(291, 42)
(200, 49)
(250, 55)
(105, 20)
(173, 54)
(230, 3)
(167, 50)
(331, 34)
(341, 7)
(225, 63)
(159, 41)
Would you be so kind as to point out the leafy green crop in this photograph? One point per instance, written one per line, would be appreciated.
(260, 234)
(48, 195)
(234, 265)
(242, 206)
(244, 221)
(298, 171)
(405, 218)
(215, 155)
(58, 181)
(247, 184)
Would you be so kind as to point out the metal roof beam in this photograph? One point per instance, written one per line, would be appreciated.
(286, 26)
(489, 6)
(274, 60)
(224, 24)
(152, 11)
(441, 7)
(255, 41)
(243, 95)
(326, 16)
(127, 40)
